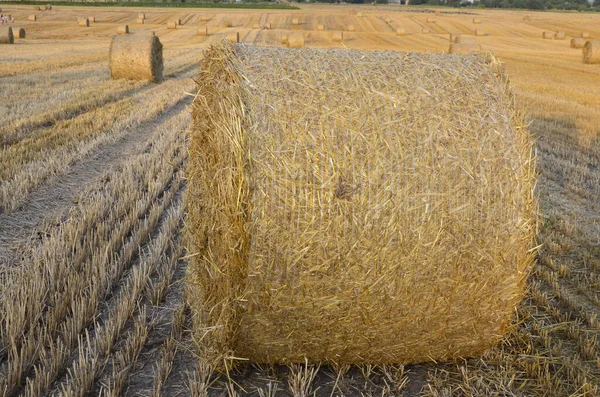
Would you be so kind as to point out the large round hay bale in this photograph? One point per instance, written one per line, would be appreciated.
(295, 21)
(456, 48)
(320, 27)
(460, 39)
(454, 36)
(425, 31)
(355, 231)
(559, 36)
(296, 40)
(84, 22)
(172, 25)
(351, 28)
(234, 37)
(337, 37)
(203, 31)
(6, 35)
(479, 32)
(577, 43)
(591, 52)
(401, 31)
(476, 21)
(123, 29)
(141, 15)
(548, 35)
(136, 58)
(18, 33)
(140, 21)
(48, 7)
(585, 35)
(92, 19)
(32, 18)
(283, 39)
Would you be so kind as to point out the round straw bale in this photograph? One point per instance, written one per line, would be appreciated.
(527, 18)
(577, 43)
(92, 19)
(431, 20)
(460, 39)
(141, 15)
(283, 39)
(337, 37)
(548, 35)
(267, 26)
(350, 28)
(123, 29)
(226, 24)
(295, 21)
(234, 37)
(48, 7)
(18, 33)
(400, 31)
(559, 36)
(203, 31)
(204, 18)
(36, 8)
(591, 52)
(454, 36)
(426, 31)
(456, 48)
(585, 35)
(6, 35)
(141, 21)
(320, 27)
(388, 19)
(136, 57)
(32, 18)
(479, 32)
(255, 26)
(475, 20)
(296, 40)
(84, 22)
(172, 25)
(178, 21)
(354, 231)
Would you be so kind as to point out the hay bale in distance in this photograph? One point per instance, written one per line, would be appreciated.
(283, 39)
(295, 21)
(296, 40)
(431, 20)
(203, 31)
(350, 28)
(387, 20)
(479, 32)
(204, 18)
(425, 31)
(460, 39)
(123, 29)
(141, 15)
(337, 37)
(92, 19)
(437, 13)
(311, 230)
(48, 7)
(559, 36)
(577, 43)
(585, 35)
(84, 22)
(226, 24)
(472, 48)
(234, 37)
(320, 27)
(32, 18)
(18, 33)
(548, 35)
(591, 52)
(401, 31)
(172, 25)
(476, 21)
(6, 35)
(36, 8)
(454, 36)
(140, 21)
(178, 21)
(267, 26)
(136, 57)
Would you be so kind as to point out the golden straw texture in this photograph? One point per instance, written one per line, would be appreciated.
(92, 19)
(203, 31)
(425, 30)
(559, 35)
(591, 52)
(136, 58)
(6, 35)
(393, 226)
(470, 48)
(140, 21)
(548, 35)
(295, 21)
(585, 35)
(479, 32)
(400, 32)
(172, 25)
(351, 28)
(124, 29)
(460, 39)
(84, 22)
(577, 43)
(141, 15)
(337, 37)
(475, 20)
(32, 18)
(296, 40)
(19, 33)
(320, 27)
(454, 36)
(234, 37)
(283, 39)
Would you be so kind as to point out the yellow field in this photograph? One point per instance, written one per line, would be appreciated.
(92, 174)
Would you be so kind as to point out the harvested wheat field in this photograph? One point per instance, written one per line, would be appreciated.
(94, 178)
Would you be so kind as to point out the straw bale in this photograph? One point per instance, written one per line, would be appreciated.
(204, 18)
(48, 7)
(438, 13)
(577, 43)
(6, 35)
(479, 32)
(585, 35)
(141, 21)
(234, 37)
(36, 8)
(548, 35)
(360, 15)
(283, 39)
(400, 31)
(454, 36)
(431, 20)
(320, 27)
(18, 33)
(350, 28)
(226, 24)
(255, 26)
(92, 19)
(426, 30)
(141, 15)
(267, 26)
(456, 48)
(591, 52)
(136, 57)
(203, 31)
(32, 18)
(123, 29)
(296, 40)
(178, 21)
(460, 39)
(559, 36)
(84, 22)
(388, 20)
(295, 21)
(172, 25)
(337, 37)
(475, 20)
(355, 231)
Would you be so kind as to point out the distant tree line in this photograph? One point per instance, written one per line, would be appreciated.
(576, 5)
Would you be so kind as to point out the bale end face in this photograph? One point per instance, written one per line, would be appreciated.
(255, 26)
(172, 25)
(431, 20)
(92, 19)
(141, 21)
(476, 21)
(283, 39)
(141, 15)
(591, 52)
(203, 31)
(84, 22)
(136, 57)
(479, 32)
(320, 27)
(19, 33)
(267, 26)
(32, 18)
(6, 35)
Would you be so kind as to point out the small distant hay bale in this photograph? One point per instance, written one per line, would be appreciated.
(48, 7)
(226, 24)
(431, 20)
(387, 20)
(296, 40)
(591, 52)
(360, 14)
(400, 31)
(527, 18)
(92, 19)
(479, 32)
(437, 13)
(559, 36)
(6, 35)
(84, 22)
(476, 21)
(234, 37)
(123, 29)
(456, 48)
(425, 31)
(577, 43)
(141, 21)
(320, 27)
(283, 39)
(32, 18)
(585, 35)
(36, 8)
(460, 39)
(355, 231)
(204, 18)
(172, 25)
(548, 35)
(267, 26)
(454, 36)
(203, 31)
(350, 28)
(136, 57)
(18, 33)
(178, 21)
(255, 26)
(337, 37)
(141, 15)
(295, 21)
